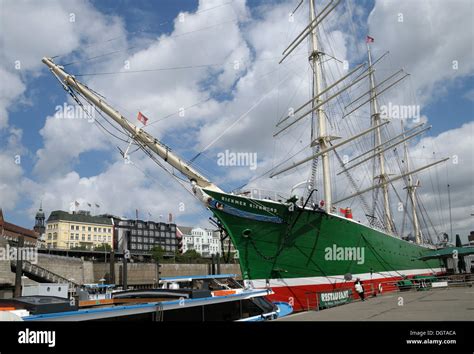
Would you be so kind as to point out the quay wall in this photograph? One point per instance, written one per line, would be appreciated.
(84, 271)
(146, 273)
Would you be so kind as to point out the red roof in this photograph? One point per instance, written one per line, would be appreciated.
(15, 228)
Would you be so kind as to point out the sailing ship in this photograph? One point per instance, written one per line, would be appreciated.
(302, 246)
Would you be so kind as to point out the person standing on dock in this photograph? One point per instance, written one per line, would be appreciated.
(359, 288)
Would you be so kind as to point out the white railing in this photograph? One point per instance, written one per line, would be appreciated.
(263, 194)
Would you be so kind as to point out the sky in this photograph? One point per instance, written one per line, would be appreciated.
(206, 74)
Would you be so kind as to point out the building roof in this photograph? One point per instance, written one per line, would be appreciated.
(186, 230)
(15, 230)
(57, 215)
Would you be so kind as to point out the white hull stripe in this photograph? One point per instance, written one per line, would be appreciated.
(332, 279)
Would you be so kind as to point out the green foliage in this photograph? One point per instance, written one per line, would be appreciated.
(157, 253)
(80, 248)
(190, 256)
(105, 247)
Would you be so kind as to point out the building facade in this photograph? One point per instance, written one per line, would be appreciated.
(12, 233)
(204, 241)
(40, 226)
(228, 246)
(140, 237)
(78, 229)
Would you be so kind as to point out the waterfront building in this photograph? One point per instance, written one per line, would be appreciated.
(78, 229)
(206, 242)
(12, 233)
(140, 236)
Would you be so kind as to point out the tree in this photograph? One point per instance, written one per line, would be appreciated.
(105, 247)
(157, 253)
(190, 256)
(228, 257)
(79, 248)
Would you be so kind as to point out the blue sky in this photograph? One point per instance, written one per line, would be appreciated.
(142, 22)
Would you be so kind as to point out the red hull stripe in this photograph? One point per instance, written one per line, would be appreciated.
(304, 297)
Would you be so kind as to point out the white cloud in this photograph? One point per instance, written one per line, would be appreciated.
(64, 140)
(31, 30)
(119, 190)
(256, 44)
(433, 42)
(458, 172)
(11, 172)
(10, 89)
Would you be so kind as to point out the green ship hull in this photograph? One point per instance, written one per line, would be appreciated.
(300, 251)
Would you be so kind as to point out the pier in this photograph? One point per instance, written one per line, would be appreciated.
(447, 304)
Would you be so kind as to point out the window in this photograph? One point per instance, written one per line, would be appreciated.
(77, 236)
(95, 229)
(83, 237)
(55, 236)
(95, 237)
(134, 239)
(109, 238)
(72, 237)
(89, 228)
(49, 236)
(88, 237)
(83, 228)
(77, 227)
(140, 239)
(72, 227)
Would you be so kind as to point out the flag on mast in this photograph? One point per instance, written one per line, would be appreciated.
(142, 118)
(369, 39)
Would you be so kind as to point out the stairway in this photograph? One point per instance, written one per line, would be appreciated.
(43, 275)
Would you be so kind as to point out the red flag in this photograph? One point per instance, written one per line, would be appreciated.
(142, 118)
(369, 39)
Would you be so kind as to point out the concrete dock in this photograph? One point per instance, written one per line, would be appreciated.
(448, 304)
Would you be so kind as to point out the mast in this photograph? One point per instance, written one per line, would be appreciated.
(319, 138)
(376, 120)
(68, 81)
(411, 189)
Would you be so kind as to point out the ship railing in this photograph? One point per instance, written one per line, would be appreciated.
(373, 288)
(263, 194)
